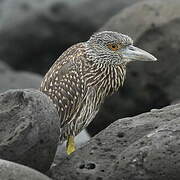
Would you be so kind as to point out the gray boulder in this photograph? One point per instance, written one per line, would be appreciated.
(13, 171)
(143, 147)
(154, 26)
(144, 16)
(4, 67)
(34, 33)
(28, 128)
(10, 79)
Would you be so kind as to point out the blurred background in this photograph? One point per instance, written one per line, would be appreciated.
(33, 33)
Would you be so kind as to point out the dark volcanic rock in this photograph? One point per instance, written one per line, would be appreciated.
(34, 33)
(143, 147)
(28, 128)
(102, 10)
(10, 79)
(154, 157)
(154, 26)
(13, 171)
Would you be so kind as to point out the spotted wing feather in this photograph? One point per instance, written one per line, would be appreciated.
(64, 83)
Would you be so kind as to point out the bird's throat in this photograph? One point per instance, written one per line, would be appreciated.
(106, 79)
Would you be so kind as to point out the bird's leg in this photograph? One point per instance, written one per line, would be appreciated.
(70, 146)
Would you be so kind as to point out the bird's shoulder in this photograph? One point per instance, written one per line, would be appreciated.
(72, 58)
(69, 62)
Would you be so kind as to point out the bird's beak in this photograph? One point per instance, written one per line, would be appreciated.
(132, 53)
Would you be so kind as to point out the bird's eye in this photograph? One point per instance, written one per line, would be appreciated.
(114, 47)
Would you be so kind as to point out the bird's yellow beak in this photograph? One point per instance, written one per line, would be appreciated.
(132, 53)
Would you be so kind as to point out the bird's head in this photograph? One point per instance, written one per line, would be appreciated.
(112, 48)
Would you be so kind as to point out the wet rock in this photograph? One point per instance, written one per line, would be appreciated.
(143, 147)
(34, 33)
(154, 26)
(13, 171)
(10, 79)
(29, 128)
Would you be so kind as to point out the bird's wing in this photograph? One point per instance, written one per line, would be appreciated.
(64, 83)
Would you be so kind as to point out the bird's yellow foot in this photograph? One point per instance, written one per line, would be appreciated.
(70, 146)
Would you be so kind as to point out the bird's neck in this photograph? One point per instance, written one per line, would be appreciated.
(105, 79)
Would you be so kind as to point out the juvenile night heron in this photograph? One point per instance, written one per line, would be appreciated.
(84, 75)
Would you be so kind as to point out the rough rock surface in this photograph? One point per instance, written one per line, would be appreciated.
(10, 79)
(13, 171)
(34, 33)
(154, 26)
(28, 128)
(143, 147)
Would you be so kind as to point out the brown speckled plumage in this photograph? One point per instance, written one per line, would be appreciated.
(80, 79)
